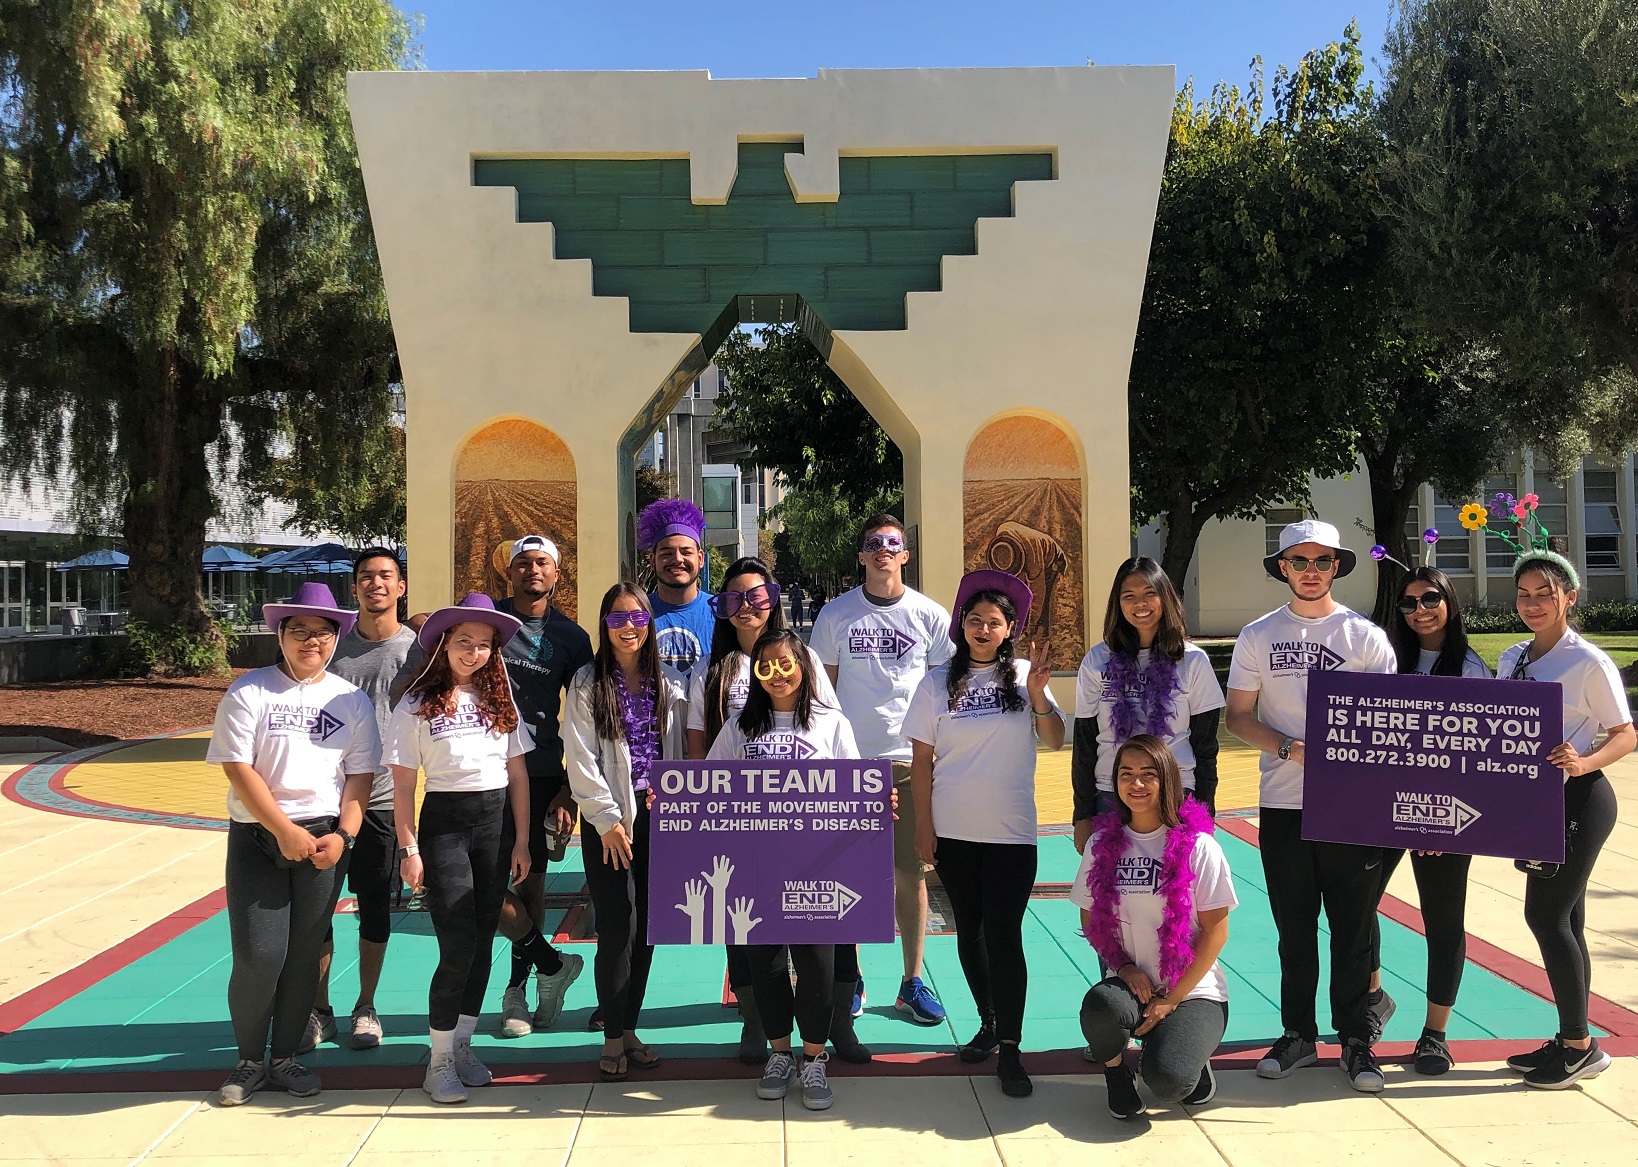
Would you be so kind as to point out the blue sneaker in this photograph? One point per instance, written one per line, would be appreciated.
(917, 1000)
(858, 998)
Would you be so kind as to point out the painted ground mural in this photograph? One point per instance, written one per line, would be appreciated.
(1021, 508)
(513, 478)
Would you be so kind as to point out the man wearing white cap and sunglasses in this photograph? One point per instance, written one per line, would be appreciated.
(1267, 708)
(540, 660)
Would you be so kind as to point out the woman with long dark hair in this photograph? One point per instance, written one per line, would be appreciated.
(625, 712)
(973, 725)
(783, 719)
(745, 608)
(1428, 637)
(1157, 891)
(1144, 677)
(457, 723)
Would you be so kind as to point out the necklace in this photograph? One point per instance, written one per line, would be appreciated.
(1154, 686)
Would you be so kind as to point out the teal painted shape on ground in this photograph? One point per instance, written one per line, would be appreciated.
(168, 1010)
(681, 265)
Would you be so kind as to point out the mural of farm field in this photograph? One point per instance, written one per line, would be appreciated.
(1021, 507)
(513, 478)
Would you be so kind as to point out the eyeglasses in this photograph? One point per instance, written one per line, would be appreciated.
(303, 635)
(636, 617)
(883, 541)
(1409, 604)
(1301, 563)
(768, 668)
(762, 598)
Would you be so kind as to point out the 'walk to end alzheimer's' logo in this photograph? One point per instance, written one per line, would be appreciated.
(466, 719)
(779, 744)
(1301, 656)
(875, 640)
(317, 724)
(817, 899)
(977, 702)
(1433, 814)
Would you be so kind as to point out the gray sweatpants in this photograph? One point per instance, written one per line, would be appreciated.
(277, 914)
(1174, 1052)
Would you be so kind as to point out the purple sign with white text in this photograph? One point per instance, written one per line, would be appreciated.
(771, 852)
(1456, 764)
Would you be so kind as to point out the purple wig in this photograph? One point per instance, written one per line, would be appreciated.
(667, 517)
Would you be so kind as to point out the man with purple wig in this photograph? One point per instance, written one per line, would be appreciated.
(671, 532)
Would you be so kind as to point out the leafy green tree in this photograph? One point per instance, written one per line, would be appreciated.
(186, 262)
(822, 527)
(1248, 362)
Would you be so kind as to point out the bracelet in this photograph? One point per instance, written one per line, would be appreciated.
(1048, 713)
(406, 852)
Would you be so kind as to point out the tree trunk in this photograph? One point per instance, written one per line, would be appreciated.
(165, 431)
(1390, 507)
(1183, 525)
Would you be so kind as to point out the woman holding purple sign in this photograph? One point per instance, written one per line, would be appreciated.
(783, 718)
(625, 711)
(459, 725)
(973, 725)
(1595, 700)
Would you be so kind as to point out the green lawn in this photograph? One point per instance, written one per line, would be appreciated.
(1622, 647)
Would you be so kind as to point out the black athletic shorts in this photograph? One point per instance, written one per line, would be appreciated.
(375, 856)
(541, 792)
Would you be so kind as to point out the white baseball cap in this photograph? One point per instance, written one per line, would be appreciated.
(536, 543)
(1311, 531)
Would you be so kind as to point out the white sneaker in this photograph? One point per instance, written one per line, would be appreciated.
(515, 1013)
(367, 1031)
(442, 1082)
(468, 1068)
(550, 990)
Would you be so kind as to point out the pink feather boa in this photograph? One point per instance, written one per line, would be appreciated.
(1109, 847)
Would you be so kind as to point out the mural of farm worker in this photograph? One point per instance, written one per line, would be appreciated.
(1036, 558)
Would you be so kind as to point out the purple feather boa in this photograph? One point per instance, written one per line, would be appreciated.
(1157, 682)
(1109, 846)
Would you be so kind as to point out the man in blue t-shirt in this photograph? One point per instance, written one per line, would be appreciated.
(671, 532)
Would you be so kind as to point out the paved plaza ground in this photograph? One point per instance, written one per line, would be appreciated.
(113, 1029)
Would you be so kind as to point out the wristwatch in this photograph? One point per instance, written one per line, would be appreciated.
(406, 852)
(347, 840)
(1285, 748)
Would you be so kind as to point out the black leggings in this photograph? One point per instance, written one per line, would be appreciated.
(1441, 886)
(989, 885)
(808, 1007)
(1556, 908)
(1174, 1051)
(459, 834)
(739, 965)
(620, 898)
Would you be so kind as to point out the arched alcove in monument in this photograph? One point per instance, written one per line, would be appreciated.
(1023, 490)
(513, 477)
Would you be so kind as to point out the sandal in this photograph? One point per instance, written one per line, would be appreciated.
(643, 1058)
(613, 1067)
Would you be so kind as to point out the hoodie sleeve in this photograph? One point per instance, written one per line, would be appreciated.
(583, 758)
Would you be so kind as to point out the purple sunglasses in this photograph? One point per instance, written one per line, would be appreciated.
(636, 617)
(762, 598)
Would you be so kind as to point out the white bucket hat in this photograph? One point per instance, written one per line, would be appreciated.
(1311, 531)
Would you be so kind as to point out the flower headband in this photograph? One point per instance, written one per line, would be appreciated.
(1429, 538)
(1529, 545)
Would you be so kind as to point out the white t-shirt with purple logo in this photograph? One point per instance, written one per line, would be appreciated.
(1273, 657)
(881, 652)
(303, 739)
(740, 687)
(1142, 908)
(457, 752)
(983, 756)
(1094, 697)
(1595, 696)
(828, 736)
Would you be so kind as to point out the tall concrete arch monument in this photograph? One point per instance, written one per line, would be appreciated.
(563, 252)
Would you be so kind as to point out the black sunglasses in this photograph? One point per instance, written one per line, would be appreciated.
(1409, 604)
(1300, 563)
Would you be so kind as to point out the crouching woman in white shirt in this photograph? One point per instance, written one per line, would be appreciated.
(1158, 891)
(781, 719)
(458, 724)
(300, 748)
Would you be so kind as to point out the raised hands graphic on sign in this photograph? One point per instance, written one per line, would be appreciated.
(693, 906)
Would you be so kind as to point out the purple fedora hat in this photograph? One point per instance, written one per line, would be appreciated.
(987, 579)
(311, 599)
(474, 608)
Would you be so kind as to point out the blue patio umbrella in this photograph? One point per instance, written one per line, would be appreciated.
(104, 560)
(218, 558)
(325, 559)
(271, 561)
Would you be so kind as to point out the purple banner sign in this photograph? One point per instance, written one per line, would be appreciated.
(771, 853)
(1435, 764)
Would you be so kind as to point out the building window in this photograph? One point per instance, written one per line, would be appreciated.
(13, 603)
(1602, 516)
(1498, 557)
(1274, 522)
(717, 501)
(1454, 551)
(694, 390)
(1553, 511)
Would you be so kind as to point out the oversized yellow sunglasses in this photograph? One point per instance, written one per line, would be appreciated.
(768, 667)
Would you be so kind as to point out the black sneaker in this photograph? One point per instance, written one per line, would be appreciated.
(1288, 1054)
(1009, 1067)
(1204, 1090)
(981, 1046)
(1568, 1066)
(1535, 1059)
(1360, 1064)
(1432, 1056)
(1377, 1015)
(1124, 1102)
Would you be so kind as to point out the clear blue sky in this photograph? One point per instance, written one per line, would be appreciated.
(1208, 39)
